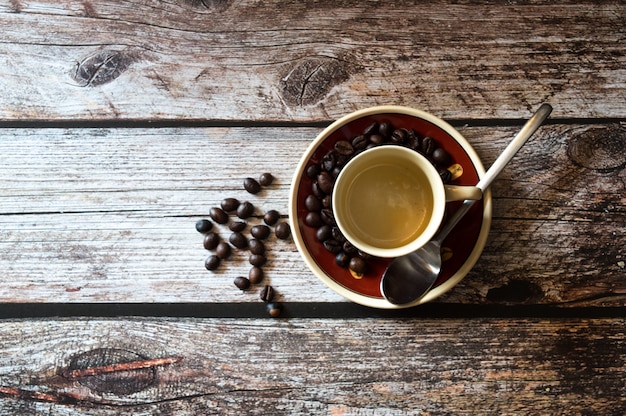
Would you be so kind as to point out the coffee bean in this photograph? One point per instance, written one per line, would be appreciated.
(413, 141)
(385, 129)
(283, 230)
(242, 282)
(255, 275)
(312, 219)
(329, 161)
(260, 232)
(371, 129)
(332, 246)
(251, 185)
(445, 175)
(343, 147)
(313, 170)
(237, 226)
(399, 136)
(327, 216)
(335, 172)
(204, 226)
(428, 146)
(359, 142)
(267, 293)
(377, 139)
(325, 182)
(245, 210)
(266, 179)
(357, 265)
(238, 240)
(324, 233)
(271, 217)
(211, 240)
(212, 262)
(327, 201)
(256, 246)
(441, 157)
(342, 259)
(223, 250)
(274, 309)
(349, 248)
(218, 215)
(317, 192)
(338, 235)
(229, 204)
(257, 260)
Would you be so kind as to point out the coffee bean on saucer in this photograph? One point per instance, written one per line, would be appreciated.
(329, 161)
(312, 219)
(377, 139)
(245, 210)
(359, 142)
(312, 171)
(204, 226)
(218, 215)
(324, 233)
(251, 185)
(211, 240)
(440, 156)
(238, 240)
(237, 226)
(325, 182)
(327, 216)
(257, 260)
(212, 262)
(229, 204)
(271, 217)
(349, 248)
(399, 136)
(342, 259)
(223, 250)
(428, 146)
(357, 265)
(266, 179)
(283, 231)
(332, 246)
(385, 129)
(256, 246)
(445, 175)
(255, 275)
(372, 128)
(344, 147)
(242, 282)
(260, 232)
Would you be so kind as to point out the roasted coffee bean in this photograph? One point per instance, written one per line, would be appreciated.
(342, 160)
(312, 219)
(324, 233)
(317, 191)
(238, 240)
(428, 146)
(441, 157)
(327, 201)
(274, 309)
(337, 234)
(245, 210)
(256, 275)
(371, 129)
(399, 136)
(204, 226)
(359, 142)
(377, 139)
(327, 216)
(267, 293)
(329, 161)
(332, 246)
(260, 232)
(211, 240)
(229, 204)
(344, 147)
(342, 259)
(212, 262)
(364, 255)
(257, 260)
(385, 129)
(237, 226)
(325, 182)
(357, 265)
(312, 203)
(313, 170)
(271, 217)
(413, 140)
(266, 179)
(256, 246)
(242, 283)
(350, 249)
(445, 175)
(283, 230)
(223, 250)
(335, 172)
(251, 185)
(218, 215)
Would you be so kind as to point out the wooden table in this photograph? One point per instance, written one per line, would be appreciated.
(123, 123)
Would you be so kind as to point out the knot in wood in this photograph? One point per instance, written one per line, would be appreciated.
(310, 80)
(601, 149)
(103, 67)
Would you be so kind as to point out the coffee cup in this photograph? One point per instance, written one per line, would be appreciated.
(389, 201)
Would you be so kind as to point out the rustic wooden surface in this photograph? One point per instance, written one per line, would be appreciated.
(122, 123)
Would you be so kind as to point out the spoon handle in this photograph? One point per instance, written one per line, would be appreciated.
(505, 157)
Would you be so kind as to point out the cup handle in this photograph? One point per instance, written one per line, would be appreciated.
(459, 193)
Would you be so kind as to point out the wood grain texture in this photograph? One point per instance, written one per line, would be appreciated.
(297, 367)
(308, 61)
(107, 215)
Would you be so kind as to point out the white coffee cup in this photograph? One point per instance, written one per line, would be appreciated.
(390, 200)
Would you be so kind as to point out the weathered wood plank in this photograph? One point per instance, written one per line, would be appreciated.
(309, 61)
(107, 215)
(313, 366)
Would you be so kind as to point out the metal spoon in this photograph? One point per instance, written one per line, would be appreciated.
(409, 277)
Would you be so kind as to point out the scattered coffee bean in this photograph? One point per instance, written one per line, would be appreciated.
(251, 185)
(255, 275)
(245, 210)
(242, 282)
(223, 250)
(283, 230)
(238, 240)
(256, 246)
(237, 226)
(266, 179)
(357, 265)
(229, 204)
(274, 309)
(342, 259)
(267, 293)
(218, 215)
(212, 262)
(204, 226)
(257, 260)
(441, 157)
(271, 217)
(260, 232)
(211, 240)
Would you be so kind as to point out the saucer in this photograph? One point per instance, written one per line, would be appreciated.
(462, 247)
